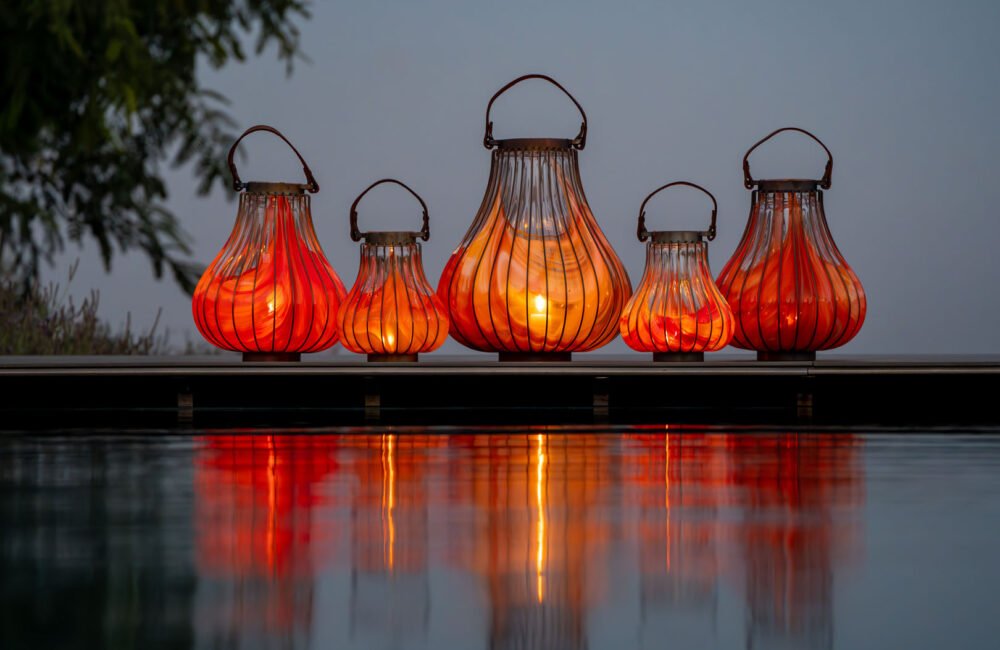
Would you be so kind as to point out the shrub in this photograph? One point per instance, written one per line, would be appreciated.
(40, 319)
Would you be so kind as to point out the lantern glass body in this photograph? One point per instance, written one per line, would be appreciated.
(534, 273)
(677, 308)
(789, 287)
(270, 289)
(392, 308)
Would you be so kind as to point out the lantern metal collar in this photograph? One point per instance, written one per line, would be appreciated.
(535, 144)
(787, 184)
(389, 236)
(679, 236)
(257, 187)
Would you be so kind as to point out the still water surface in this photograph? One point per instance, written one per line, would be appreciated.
(537, 539)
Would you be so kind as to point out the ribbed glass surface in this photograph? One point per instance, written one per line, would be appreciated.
(270, 288)
(534, 273)
(788, 285)
(392, 308)
(677, 307)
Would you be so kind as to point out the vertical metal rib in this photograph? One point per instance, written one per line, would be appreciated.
(304, 342)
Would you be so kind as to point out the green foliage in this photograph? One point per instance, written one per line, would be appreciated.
(95, 96)
(41, 320)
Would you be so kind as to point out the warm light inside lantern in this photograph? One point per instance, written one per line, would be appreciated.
(553, 291)
(392, 313)
(677, 312)
(392, 310)
(270, 292)
(787, 283)
(534, 278)
(281, 295)
(791, 290)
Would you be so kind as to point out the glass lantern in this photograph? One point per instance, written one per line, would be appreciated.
(534, 278)
(391, 313)
(677, 312)
(270, 293)
(789, 287)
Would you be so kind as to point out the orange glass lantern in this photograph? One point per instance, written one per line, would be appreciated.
(534, 278)
(677, 312)
(391, 313)
(789, 287)
(270, 292)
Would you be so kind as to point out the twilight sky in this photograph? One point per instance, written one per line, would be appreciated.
(905, 93)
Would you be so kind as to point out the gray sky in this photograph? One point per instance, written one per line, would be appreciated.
(906, 93)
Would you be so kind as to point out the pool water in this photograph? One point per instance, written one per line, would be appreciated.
(534, 538)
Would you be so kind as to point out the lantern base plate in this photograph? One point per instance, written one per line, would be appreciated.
(534, 357)
(392, 358)
(786, 356)
(268, 357)
(678, 357)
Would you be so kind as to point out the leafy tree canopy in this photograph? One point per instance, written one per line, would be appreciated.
(95, 97)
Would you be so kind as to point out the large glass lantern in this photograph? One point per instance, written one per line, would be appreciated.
(534, 278)
(677, 312)
(270, 292)
(391, 313)
(789, 287)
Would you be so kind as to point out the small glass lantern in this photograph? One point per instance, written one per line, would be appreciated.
(391, 313)
(677, 312)
(534, 278)
(270, 293)
(789, 287)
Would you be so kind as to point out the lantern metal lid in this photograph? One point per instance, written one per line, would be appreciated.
(787, 184)
(665, 236)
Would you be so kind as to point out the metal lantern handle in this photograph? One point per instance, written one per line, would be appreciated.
(824, 182)
(356, 235)
(644, 234)
(579, 142)
(238, 185)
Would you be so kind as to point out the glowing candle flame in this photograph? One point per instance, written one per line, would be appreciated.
(540, 304)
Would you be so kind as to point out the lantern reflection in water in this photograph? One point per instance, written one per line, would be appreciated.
(256, 496)
(782, 545)
(541, 548)
(545, 533)
(794, 486)
(674, 485)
